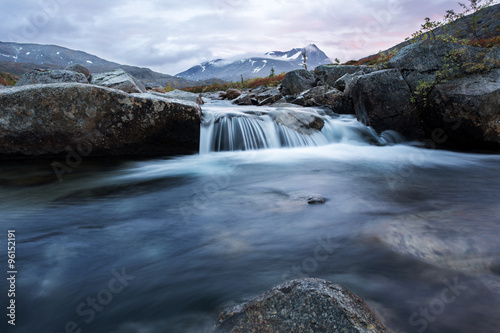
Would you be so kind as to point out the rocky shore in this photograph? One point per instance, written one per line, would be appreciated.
(443, 94)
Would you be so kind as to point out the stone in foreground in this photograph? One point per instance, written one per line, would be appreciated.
(305, 305)
(54, 119)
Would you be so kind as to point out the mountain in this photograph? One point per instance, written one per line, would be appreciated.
(257, 66)
(17, 59)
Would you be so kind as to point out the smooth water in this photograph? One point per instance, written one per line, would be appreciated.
(414, 232)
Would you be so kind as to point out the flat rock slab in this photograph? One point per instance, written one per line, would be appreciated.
(305, 305)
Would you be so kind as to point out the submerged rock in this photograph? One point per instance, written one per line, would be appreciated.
(47, 76)
(119, 79)
(54, 119)
(305, 305)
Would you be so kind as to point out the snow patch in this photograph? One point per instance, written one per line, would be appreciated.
(28, 53)
(258, 69)
(58, 52)
(90, 62)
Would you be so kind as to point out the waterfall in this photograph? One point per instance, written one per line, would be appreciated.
(229, 128)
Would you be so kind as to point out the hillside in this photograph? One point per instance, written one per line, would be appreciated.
(488, 27)
(17, 59)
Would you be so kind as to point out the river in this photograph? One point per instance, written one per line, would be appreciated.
(160, 245)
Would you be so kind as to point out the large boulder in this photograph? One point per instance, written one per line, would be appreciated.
(46, 76)
(79, 69)
(297, 81)
(466, 112)
(119, 79)
(303, 122)
(382, 100)
(329, 74)
(305, 305)
(52, 119)
(421, 61)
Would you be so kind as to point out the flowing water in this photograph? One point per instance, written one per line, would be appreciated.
(160, 245)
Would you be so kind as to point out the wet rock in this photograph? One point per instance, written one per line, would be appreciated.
(46, 76)
(466, 112)
(243, 100)
(269, 96)
(297, 81)
(232, 94)
(382, 100)
(54, 119)
(305, 305)
(300, 121)
(119, 79)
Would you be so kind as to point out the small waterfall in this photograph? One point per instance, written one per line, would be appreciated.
(229, 128)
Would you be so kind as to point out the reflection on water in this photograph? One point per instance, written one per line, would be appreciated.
(401, 227)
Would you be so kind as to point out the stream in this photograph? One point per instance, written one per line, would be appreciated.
(162, 244)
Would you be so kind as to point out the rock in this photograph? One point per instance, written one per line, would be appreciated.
(182, 95)
(160, 90)
(119, 79)
(55, 119)
(382, 100)
(243, 100)
(329, 74)
(46, 76)
(232, 94)
(334, 99)
(465, 112)
(269, 96)
(79, 69)
(300, 121)
(297, 81)
(200, 100)
(421, 61)
(212, 95)
(305, 305)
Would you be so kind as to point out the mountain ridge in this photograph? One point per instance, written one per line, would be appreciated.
(19, 58)
(248, 68)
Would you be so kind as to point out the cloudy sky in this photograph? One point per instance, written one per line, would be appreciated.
(171, 36)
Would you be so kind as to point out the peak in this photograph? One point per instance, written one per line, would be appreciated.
(311, 47)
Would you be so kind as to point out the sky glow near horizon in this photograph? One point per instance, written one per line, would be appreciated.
(172, 36)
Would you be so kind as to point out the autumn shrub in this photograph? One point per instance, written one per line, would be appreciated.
(244, 84)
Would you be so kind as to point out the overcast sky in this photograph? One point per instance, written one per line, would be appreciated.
(171, 36)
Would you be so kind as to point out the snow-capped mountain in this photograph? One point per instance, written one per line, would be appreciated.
(257, 66)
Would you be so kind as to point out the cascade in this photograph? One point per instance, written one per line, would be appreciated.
(227, 128)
